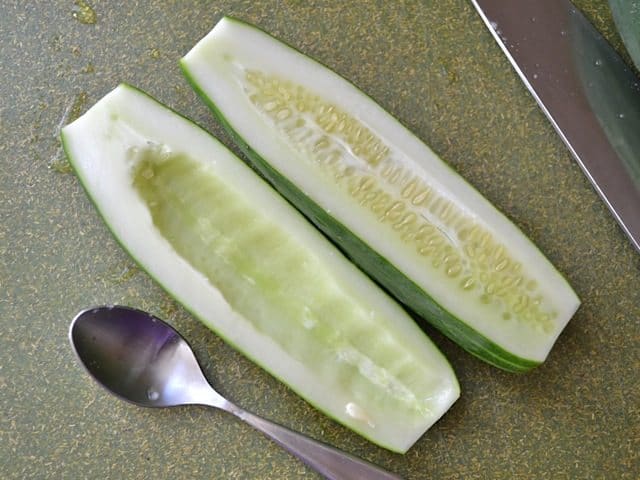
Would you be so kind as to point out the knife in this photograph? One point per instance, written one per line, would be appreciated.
(587, 91)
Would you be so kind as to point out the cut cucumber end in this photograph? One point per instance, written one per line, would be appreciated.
(252, 269)
(384, 197)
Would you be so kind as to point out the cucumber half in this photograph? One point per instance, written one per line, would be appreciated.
(383, 196)
(252, 269)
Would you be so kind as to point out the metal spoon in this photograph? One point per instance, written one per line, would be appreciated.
(143, 360)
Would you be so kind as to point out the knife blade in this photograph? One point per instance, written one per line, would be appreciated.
(589, 94)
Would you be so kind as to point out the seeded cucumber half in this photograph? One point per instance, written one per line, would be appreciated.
(223, 243)
(383, 196)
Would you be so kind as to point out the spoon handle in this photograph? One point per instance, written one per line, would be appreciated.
(330, 462)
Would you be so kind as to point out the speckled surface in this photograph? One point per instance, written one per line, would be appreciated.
(435, 67)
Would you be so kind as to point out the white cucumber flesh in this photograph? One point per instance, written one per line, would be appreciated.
(224, 244)
(385, 198)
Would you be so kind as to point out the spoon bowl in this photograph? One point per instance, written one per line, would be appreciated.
(143, 360)
(138, 357)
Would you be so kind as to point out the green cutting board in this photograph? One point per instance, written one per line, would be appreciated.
(434, 66)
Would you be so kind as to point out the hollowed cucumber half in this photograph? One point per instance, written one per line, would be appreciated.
(383, 196)
(230, 249)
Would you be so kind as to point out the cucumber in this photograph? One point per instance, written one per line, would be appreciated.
(252, 269)
(626, 14)
(384, 197)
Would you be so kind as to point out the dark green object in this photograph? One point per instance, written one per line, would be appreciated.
(626, 14)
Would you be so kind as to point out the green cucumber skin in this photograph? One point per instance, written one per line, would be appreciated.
(626, 14)
(371, 262)
(185, 305)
